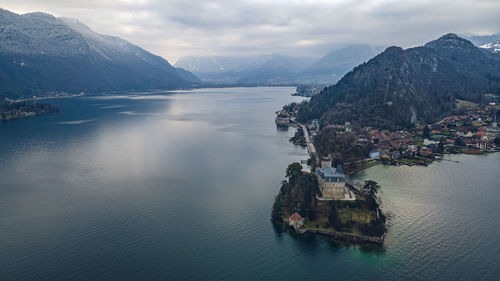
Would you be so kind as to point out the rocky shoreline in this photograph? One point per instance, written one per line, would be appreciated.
(347, 237)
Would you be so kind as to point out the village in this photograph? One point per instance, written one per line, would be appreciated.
(473, 131)
(329, 205)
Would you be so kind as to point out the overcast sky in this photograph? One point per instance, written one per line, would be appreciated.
(174, 28)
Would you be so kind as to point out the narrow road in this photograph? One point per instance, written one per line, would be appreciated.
(310, 147)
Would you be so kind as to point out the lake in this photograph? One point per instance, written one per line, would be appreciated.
(180, 185)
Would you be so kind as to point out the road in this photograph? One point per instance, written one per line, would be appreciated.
(310, 147)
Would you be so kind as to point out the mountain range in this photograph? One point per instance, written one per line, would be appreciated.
(398, 87)
(487, 42)
(40, 53)
(279, 69)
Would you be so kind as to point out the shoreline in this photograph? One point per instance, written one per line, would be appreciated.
(313, 156)
(45, 97)
(378, 162)
(344, 236)
(359, 166)
(34, 100)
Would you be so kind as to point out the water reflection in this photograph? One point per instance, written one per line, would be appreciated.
(181, 187)
(282, 128)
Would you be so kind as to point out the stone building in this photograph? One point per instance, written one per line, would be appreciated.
(332, 182)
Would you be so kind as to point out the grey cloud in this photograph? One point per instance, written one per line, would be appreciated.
(308, 28)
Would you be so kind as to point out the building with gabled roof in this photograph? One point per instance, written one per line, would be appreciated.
(332, 183)
(296, 220)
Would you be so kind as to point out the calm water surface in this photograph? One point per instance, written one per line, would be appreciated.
(158, 186)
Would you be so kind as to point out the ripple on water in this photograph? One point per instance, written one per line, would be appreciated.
(136, 199)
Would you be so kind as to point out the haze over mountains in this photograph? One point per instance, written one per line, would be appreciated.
(398, 88)
(279, 69)
(487, 42)
(40, 53)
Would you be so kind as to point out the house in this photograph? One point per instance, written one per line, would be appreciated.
(428, 142)
(492, 132)
(425, 152)
(348, 127)
(296, 220)
(482, 135)
(374, 154)
(282, 121)
(332, 182)
(315, 124)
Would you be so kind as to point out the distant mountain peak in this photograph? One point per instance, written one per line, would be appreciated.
(421, 84)
(450, 40)
(393, 50)
(39, 14)
(493, 47)
(449, 36)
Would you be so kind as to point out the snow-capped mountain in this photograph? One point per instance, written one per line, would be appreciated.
(487, 42)
(41, 53)
(492, 47)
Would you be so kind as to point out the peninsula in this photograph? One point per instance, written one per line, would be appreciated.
(21, 109)
(403, 107)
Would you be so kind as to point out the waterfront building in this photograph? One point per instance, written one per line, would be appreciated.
(332, 182)
(282, 121)
(296, 220)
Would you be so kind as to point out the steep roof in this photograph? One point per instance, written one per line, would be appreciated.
(332, 172)
(296, 217)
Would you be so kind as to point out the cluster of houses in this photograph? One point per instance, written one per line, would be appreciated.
(475, 131)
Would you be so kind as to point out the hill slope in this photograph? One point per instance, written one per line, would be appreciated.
(41, 53)
(399, 87)
(276, 69)
(331, 67)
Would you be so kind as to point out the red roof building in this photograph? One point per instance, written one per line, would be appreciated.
(296, 220)
(296, 217)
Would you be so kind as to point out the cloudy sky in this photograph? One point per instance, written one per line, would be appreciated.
(174, 28)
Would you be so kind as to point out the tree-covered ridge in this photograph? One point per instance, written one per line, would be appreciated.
(399, 87)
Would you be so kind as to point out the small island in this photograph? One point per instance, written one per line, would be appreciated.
(323, 203)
